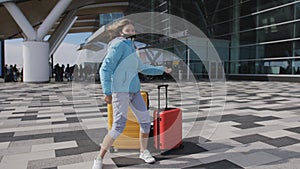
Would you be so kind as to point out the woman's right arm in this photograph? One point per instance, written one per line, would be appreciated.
(109, 64)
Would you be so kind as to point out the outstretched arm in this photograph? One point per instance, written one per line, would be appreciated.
(152, 70)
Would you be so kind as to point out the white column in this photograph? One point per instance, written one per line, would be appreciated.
(36, 61)
(35, 51)
(21, 20)
(188, 60)
(55, 13)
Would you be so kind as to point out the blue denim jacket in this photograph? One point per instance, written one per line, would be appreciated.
(120, 67)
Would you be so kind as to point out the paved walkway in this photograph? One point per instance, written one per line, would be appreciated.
(60, 126)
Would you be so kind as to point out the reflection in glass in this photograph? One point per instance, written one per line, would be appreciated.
(274, 33)
(222, 29)
(248, 37)
(297, 66)
(247, 67)
(221, 16)
(248, 22)
(109, 17)
(276, 16)
(298, 10)
(266, 67)
(283, 49)
(297, 48)
(248, 52)
(263, 4)
(248, 7)
(297, 28)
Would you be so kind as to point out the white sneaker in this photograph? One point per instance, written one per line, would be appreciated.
(97, 163)
(147, 157)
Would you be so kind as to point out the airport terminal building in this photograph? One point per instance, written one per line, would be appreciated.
(263, 37)
(255, 39)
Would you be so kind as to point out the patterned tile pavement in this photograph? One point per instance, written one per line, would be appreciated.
(60, 126)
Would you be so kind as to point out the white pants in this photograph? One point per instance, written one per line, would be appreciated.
(120, 102)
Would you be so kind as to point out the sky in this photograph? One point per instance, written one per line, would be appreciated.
(66, 54)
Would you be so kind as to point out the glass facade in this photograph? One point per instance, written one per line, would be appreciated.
(263, 35)
(107, 18)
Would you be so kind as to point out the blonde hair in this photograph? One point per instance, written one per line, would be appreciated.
(115, 28)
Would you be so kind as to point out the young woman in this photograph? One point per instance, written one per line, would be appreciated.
(121, 86)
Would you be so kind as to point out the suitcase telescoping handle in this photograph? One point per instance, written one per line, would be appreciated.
(166, 87)
(158, 113)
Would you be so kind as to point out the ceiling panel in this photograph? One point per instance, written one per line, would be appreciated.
(37, 10)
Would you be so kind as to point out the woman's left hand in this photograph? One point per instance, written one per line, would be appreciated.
(168, 70)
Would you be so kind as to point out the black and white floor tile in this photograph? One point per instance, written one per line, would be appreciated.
(60, 126)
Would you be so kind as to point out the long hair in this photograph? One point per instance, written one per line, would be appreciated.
(115, 28)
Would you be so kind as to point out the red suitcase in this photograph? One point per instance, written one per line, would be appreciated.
(168, 127)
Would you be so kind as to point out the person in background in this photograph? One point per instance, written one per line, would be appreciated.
(68, 73)
(5, 73)
(15, 73)
(10, 73)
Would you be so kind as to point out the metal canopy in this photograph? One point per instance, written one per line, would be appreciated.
(37, 10)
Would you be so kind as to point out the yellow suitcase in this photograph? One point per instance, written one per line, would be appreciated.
(129, 139)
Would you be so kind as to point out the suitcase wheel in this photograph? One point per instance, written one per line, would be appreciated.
(113, 150)
(181, 146)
